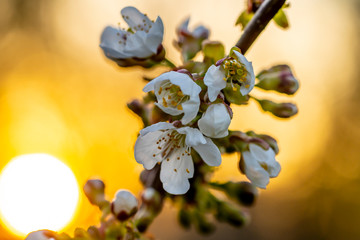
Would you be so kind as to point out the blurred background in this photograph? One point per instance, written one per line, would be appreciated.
(59, 95)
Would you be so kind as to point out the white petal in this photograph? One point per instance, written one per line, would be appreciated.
(255, 173)
(215, 121)
(184, 25)
(110, 43)
(155, 36)
(145, 148)
(134, 17)
(193, 136)
(209, 152)
(250, 77)
(136, 45)
(175, 172)
(200, 31)
(156, 127)
(214, 80)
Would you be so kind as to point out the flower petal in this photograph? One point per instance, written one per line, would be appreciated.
(214, 80)
(215, 121)
(155, 36)
(136, 45)
(110, 43)
(250, 77)
(209, 152)
(134, 17)
(193, 136)
(175, 172)
(156, 127)
(255, 173)
(146, 151)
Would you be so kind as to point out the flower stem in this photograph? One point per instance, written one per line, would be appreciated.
(168, 63)
(263, 15)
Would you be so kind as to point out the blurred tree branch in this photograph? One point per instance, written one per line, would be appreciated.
(263, 15)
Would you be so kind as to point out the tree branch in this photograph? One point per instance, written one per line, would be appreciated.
(262, 17)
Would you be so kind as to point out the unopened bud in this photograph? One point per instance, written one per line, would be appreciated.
(152, 199)
(94, 191)
(202, 224)
(124, 205)
(243, 192)
(282, 110)
(278, 78)
(230, 214)
(143, 218)
(41, 235)
(268, 139)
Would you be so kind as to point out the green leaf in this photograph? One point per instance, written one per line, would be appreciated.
(281, 19)
(244, 19)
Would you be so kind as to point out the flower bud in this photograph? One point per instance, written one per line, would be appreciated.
(143, 218)
(243, 192)
(41, 235)
(124, 205)
(268, 139)
(94, 191)
(278, 78)
(202, 224)
(152, 199)
(215, 121)
(228, 213)
(281, 110)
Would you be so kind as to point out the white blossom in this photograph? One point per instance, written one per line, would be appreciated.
(124, 204)
(164, 143)
(235, 70)
(260, 165)
(142, 40)
(215, 121)
(176, 93)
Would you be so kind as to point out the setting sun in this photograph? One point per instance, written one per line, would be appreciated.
(37, 191)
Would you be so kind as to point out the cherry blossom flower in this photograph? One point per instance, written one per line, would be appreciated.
(259, 165)
(176, 93)
(215, 121)
(141, 40)
(235, 70)
(164, 143)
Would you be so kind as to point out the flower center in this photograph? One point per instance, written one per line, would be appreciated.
(235, 72)
(172, 96)
(171, 145)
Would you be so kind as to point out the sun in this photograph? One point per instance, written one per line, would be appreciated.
(37, 191)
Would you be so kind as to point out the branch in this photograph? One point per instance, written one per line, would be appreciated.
(262, 17)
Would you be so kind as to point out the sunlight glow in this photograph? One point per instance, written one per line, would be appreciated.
(37, 191)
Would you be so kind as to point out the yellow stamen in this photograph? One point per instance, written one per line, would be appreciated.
(179, 107)
(187, 170)
(247, 85)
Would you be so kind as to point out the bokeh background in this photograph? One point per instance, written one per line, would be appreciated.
(59, 95)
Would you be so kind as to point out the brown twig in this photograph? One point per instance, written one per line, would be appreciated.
(263, 15)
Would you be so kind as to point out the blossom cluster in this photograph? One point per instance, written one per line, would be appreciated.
(196, 103)
(187, 112)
